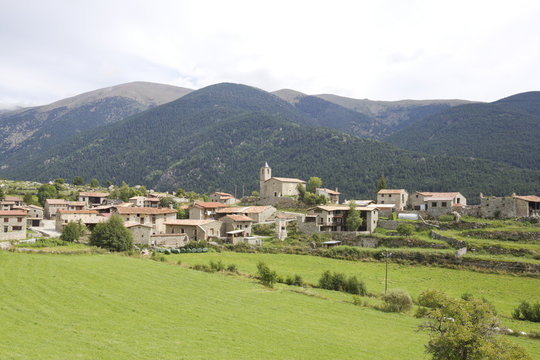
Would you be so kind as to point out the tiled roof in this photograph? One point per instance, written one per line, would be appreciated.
(222, 193)
(531, 198)
(209, 205)
(144, 210)
(328, 191)
(257, 209)
(340, 207)
(94, 194)
(56, 202)
(231, 210)
(391, 191)
(439, 198)
(438, 194)
(130, 224)
(239, 218)
(289, 180)
(61, 211)
(13, 198)
(13, 213)
(152, 199)
(76, 203)
(188, 222)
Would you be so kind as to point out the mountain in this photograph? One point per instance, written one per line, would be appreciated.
(28, 131)
(367, 118)
(219, 136)
(506, 130)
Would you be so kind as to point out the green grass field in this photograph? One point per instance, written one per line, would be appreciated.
(503, 291)
(117, 307)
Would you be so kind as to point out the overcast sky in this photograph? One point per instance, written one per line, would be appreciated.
(380, 50)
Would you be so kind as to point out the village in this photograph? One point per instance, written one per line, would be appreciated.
(226, 219)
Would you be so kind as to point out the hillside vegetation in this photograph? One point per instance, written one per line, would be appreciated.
(507, 130)
(219, 137)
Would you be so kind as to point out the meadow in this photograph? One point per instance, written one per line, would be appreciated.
(108, 306)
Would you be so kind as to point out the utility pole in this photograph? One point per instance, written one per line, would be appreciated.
(386, 254)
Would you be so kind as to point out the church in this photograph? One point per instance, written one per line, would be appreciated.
(275, 187)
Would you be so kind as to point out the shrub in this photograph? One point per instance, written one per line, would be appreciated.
(263, 229)
(397, 301)
(232, 268)
(71, 232)
(338, 282)
(266, 276)
(526, 311)
(217, 266)
(112, 235)
(405, 229)
(431, 299)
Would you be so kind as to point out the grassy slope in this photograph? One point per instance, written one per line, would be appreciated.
(112, 307)
(503, 291)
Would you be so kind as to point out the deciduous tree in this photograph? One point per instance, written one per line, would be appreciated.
(112, 235)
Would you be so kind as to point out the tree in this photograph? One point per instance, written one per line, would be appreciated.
(77, 180)
(465, 330)
(2, 194)
(268, 277)
(94, 183)
(255, 193)
(45, 192)
(59, 181)
(166, 202)
(313, 183)
(112, 235)
(354, 221)
(109, 183)
(180, 193)
(73, 231)
(382, 183)
(301, 192)
(30, 199)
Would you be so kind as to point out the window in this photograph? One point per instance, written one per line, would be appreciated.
(443, 204)
(457, 200)
(5, 229)
(17, 228)
(417, 196)
(382, 195)
(433, 204)
(390, 195)
(6, 220)
(382, 202)
(153, 219)
(19, 219)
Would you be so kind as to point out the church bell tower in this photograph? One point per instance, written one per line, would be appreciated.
(266, 173)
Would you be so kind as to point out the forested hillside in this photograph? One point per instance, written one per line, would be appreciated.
(27, 132)
(507, 131)
(219, 137)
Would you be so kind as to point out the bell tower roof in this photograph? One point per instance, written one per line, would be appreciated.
(266, 164)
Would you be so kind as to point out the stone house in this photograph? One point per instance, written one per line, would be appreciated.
(509, 206)
(452, 200)
(6, 205)
(239, 225)
(141, 232)
(87, 217)
(329, 218)
(332, 195)
(35, 214)
(92, 199)
(195, 229)
(156, 218)
(385, 210)
(398, 197)
(275, 187)
(12, 224)
(258, 214)
(53, 205)
(223, 198)
(205, 210)
(137, 200)
(17, 200)
(151, 202)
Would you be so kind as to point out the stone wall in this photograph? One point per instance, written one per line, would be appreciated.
(457, 244)
(502, 207)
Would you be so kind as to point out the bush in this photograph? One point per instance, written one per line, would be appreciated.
(295, 280)
(217, 266)
(432, 299)
(71, 232)
(112, 235)
(526, 311)
(405, 229)
(265, 275)
(232, 268)
(338, 282)
(397, 301)
(263, 229)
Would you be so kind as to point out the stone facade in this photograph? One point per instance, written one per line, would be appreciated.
(12, 224)
(156, 218)
(87, 217)
(331, 218)
(509, 206)
(332, 195)
(276, 187)
(92, 199)
(205, 210)
(398, 197)
(195, 229)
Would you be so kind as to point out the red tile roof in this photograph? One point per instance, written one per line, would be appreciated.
(144, 210)
(391, 191)
(239, 218)
(328, 191)
(62, 211)
(94, 194)
(531, 198)
(187, 222)
(13, 213)
(56, 202)
(209, 205)
(289, 180)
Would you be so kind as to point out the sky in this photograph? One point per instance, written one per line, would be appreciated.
(380, 50)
